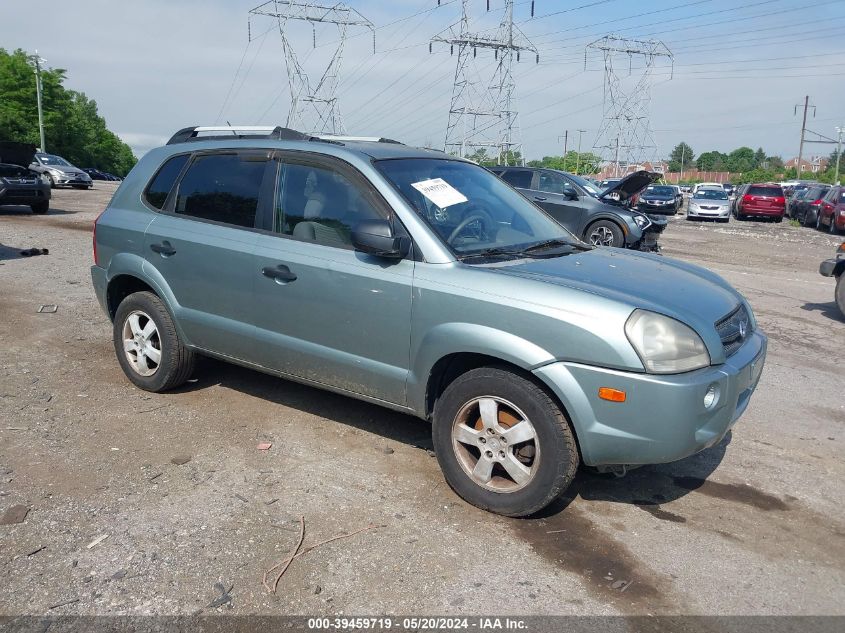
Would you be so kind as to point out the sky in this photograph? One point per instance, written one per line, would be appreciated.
(740, 67)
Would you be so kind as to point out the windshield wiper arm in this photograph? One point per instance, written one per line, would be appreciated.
(539, 246)
(492, 252)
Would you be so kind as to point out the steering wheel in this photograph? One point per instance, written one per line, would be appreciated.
(482, 218)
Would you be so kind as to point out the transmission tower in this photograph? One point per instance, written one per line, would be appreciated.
(625, 131)
(482, 114)
(312, 108)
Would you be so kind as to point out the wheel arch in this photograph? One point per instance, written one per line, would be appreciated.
(628, 235)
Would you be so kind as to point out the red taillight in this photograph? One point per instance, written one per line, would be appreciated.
(746, 198)
(780, 201)
(819, 201)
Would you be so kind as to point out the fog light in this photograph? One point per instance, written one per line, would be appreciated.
(711, 398)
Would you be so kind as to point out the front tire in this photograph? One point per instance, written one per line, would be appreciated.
(40, 208)
(604, 233)
(840, 293)
(503, 444)
(147, 344)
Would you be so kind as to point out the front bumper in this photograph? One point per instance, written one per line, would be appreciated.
(25, 194)
(828, 268)
(669, 208)
(664, 418)
(72, 179)
(698, 212)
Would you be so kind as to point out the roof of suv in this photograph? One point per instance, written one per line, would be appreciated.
(284, 138)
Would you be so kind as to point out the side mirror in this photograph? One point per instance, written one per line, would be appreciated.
(570, 194)
(376, 237)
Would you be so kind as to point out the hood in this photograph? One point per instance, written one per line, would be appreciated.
(629, 186)
(688, 293)
(17, 153)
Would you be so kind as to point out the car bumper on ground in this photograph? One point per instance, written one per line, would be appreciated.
(830, 267)
(664, 418)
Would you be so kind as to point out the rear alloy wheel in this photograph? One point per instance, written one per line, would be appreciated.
(503, 444)
(147, 345)
(604, 233)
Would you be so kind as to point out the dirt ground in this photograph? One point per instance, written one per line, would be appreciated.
(755, 525)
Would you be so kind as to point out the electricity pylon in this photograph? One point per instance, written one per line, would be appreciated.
(482, 115)
(625, 131)
(313, 109)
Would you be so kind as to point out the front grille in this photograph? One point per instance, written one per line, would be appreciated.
(734, 329)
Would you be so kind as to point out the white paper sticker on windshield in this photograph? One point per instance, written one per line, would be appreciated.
(439, 192)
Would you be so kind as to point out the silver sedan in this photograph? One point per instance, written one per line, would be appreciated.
(710, 203)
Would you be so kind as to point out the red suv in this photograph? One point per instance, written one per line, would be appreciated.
(832, 210)
(762, 200)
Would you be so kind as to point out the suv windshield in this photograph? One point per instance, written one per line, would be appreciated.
(472, 210)
(711, 194)
(50, 159)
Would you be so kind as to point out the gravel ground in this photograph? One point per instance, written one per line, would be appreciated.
(755, 525)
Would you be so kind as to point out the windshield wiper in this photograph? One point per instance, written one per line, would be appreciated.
(492, 252)
(540, 246)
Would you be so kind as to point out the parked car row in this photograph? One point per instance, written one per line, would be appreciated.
(96, 174)
(822, 206)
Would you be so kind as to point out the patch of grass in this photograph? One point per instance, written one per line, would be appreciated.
(794, 223)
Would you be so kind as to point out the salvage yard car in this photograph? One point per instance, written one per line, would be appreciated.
(836, 268)
(709, 203)
(19, 185)
(598, 217)
(423, 283)
(60, 172)
(659, 199)
(761, 200)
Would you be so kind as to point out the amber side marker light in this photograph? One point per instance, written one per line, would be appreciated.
(614, 395)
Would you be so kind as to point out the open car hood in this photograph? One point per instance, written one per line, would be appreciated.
(629, 186)
(17, 153)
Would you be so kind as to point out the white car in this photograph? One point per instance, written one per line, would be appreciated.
(706, 184)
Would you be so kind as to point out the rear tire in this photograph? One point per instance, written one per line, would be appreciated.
(148, 346)
(779, 220)
(604, 233)
(40, 208)
(832, 226)
(840, 293)
(476, 417)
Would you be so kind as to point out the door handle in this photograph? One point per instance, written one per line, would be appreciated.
(539, 198)
(164, 249)
(280, 273)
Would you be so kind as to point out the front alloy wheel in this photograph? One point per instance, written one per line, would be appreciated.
(503, 442)
(495, 444)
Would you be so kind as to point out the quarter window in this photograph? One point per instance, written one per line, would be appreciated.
(162, 183)
(222, 188)
(518, 178)
(318, 204)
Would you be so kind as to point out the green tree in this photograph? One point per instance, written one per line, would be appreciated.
(72, 126)
(711, 161)
(584, 163)
(741, 160)
(681, 158)
(759, 157)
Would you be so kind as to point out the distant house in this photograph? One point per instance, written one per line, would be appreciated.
(814, 165)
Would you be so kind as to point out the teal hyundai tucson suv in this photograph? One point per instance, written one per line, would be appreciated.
(423, 283)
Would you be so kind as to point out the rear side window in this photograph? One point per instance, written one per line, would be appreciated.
(162, 183)
(518, 178)
(772, 192)
(222, 188)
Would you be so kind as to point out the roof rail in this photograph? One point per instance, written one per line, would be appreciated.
(198, 133)
(340, 138)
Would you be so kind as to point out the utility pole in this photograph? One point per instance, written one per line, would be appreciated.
(803, 130)
(38, 61)
(578, 156)
(616, 160)
(839, 131)
(565, 138)
(683, 155)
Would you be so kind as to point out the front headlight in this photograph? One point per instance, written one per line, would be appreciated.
(641, 220)
(44, 179)
(665, 346)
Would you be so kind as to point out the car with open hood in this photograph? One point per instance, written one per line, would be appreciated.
(60, 172)
(20, 185)
(421, 282)
(598, 217)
